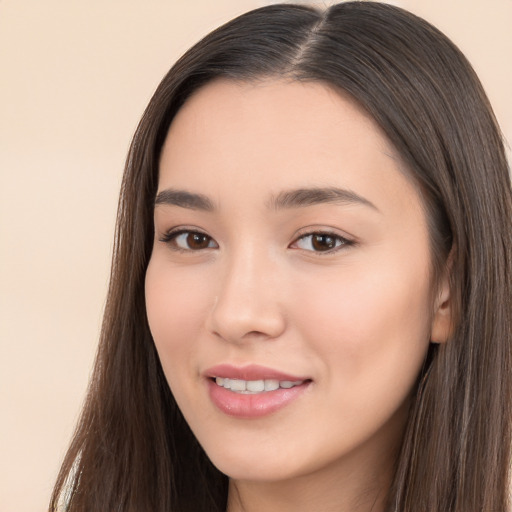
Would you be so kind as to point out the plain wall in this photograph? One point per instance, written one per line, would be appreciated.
(74, 80)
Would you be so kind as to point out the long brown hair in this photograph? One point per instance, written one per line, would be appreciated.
(133, 451)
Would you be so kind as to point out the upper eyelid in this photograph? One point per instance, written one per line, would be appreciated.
(329, 233)
(171, 234)
(346, 242)
(184, 229)
(312, 230)
(300, 234)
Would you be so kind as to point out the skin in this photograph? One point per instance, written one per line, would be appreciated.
(357, 320)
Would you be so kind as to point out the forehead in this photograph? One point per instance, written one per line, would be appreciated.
(260, 117)
(272, 135)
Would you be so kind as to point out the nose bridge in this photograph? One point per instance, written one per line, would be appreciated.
(247, 303)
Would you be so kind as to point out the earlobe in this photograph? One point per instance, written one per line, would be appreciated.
(442, 318)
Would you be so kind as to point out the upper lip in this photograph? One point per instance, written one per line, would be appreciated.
(250, 372)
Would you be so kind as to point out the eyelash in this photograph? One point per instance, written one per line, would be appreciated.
(170, 238)
(338, 239)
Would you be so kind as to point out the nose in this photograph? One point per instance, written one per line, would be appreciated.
(248, 306)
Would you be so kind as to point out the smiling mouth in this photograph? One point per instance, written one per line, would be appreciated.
(253, 387)
(253, 391)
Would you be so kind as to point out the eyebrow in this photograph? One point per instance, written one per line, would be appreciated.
(312, 196)
(287, 199)
(184, 199)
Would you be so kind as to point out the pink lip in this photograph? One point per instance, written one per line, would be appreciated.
(252, 405)
(250, 372)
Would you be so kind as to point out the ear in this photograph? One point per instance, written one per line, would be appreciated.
(443, 312)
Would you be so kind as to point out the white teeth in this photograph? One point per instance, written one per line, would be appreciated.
(255, 386)
(237, 385)
(271, 385)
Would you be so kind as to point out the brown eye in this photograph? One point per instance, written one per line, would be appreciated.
(188, 241)
(322, 242)
(197, 241)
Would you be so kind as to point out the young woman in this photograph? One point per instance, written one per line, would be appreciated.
(309, 307)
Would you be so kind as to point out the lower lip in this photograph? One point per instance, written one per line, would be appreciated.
(256, 405)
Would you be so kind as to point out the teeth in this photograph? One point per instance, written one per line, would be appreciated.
(237, 385)
(271, 385)
(255, 386)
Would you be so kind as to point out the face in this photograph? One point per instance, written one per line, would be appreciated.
(288, 292)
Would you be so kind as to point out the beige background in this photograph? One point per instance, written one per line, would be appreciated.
(74, 79)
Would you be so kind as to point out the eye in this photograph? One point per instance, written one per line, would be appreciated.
(188, 240)
(321, 242)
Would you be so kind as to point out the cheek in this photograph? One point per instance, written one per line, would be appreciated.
(370, 327)
(175, 305)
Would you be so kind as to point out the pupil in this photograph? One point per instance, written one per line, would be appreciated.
(323, 242)
(197, 241)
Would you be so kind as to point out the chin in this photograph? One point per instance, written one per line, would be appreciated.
(250, 471)
(260, 464)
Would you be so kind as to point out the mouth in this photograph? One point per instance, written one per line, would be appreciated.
(253, 391)
(253, 387)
